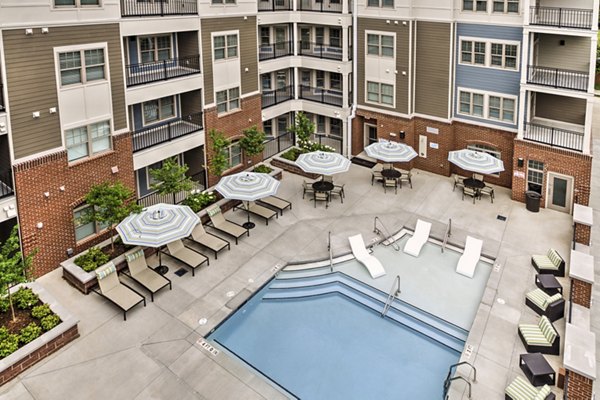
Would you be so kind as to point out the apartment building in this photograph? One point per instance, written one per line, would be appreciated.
(104, 90)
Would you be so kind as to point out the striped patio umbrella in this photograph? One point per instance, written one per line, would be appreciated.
(391, 151)
(247, 186)
(324, 163)
(476, 161)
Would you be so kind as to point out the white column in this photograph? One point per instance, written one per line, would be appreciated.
(587, 132)
(345, 90)
(526, 60)
(593, 45)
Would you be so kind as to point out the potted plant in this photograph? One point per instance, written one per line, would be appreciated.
(253, 142)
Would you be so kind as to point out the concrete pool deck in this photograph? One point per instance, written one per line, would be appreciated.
(155, 354)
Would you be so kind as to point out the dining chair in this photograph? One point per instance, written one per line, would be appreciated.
(390, 183)
(376, 173)
(321, 196)
(458, 181)
(406, 177)
(338, 190)
(479, 177)
(327, 178)
(488, 191)
(307, 188)
(469, 192)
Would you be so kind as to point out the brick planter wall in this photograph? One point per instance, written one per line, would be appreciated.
(578, 386)
(583, 234)
(581, 292)
(290, 166)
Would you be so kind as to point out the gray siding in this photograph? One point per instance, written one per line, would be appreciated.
(187, 43)
(567, 109)
(432, 68)
(31, 74)
(574, 55)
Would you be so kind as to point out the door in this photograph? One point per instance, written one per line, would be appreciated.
(280, 37)
(304, 38)
(423, 146)
(560, 192)
(370, 134)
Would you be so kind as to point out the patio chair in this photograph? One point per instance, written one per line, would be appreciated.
(406, 177)
(520, 389)
(479, 177)
(277, 203)
(208, 240)
(419, 238)
(221, 224)
(258, 210)
(338, 190)
(373, 265)
(541, 337)
(113, 290)
(390, 183)
(458, 181)
(307, 188)
(551, 263)
(468, 261)
(376, 173)
(552, 307)
(469, 192)
(140, 272)
(488, 191)
(189, 257)
(321, 196)
(327, 178)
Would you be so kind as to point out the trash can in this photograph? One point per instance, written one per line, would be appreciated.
(532, 201)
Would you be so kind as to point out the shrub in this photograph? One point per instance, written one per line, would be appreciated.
(9, 342)
(29, 333)
(50, 321)
(92, 259)
(292, 154)
(40, 312)
(262, 169)
(198, 200)
(4, 304)
(25, 298)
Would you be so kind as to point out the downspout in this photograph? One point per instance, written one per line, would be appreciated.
(354, 75)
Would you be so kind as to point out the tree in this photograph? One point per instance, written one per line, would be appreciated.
(219, 161)
(13, 267)
(302, 128)
(110, 206)
(171, 178)
(253, 142)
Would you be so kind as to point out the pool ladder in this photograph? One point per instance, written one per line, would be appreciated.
(449, 378)
(447, 234)
(391, 296)
(387, 235)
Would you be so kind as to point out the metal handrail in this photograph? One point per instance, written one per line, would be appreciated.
(391, 296)
(448, 382)
(330, 251)
(449, 379)
(447, 234)
(387, 233)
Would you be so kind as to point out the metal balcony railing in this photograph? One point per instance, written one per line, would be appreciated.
(2, 106)
(6, 188)
(274, 5)
(558, 78)
(554, 137)
(150, 199)
(275, 50)
(325, 6)
(139, 8)
(559, 17)
(332, 141)
(139, 74)
(278, 144)
(276, 96)
(321, 95)
(148, 137)
(320, 50)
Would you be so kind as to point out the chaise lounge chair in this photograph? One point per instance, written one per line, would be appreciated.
(208, 240)
(362, 255)
(221, 224)
(258, 210)
(144, 275)
(468, 261)
(552, 307)
(419, 238)
(277, 203)
(540, 338)
(520, 389)
(191, 258)
(113, 290)
(551, 263)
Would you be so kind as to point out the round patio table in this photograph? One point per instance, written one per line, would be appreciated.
(474, 183)
(390, 173)
(322, 186)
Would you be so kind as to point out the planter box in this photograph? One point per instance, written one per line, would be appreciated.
(44, 345)
(291, 166)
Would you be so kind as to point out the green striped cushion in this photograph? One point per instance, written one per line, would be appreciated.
(552, 299)
(547, 329)
(543, 393)
(520, 389)
(136, 254)
(103, 272)
(543, 262)
(535, 338)
(538, 297)
(554, 257)
(213, 211)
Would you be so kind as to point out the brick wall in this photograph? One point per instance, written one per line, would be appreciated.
(579, 387)
(48, 174)
(583, 234)
(581, 292)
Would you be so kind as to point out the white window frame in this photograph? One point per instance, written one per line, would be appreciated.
(488, 53)
(229, 100)
(235, 145)
(379, 85)
(381, 3)
(82, 67)
(486, 105)
(155, 47)
(90, 139)
(474, 4)
(98, 227)
(504, 56)
(76, 4)
(223, 2)
(472, 53)
(505, 6)
(535, 170)
(225, 35)
(159, 111)
(380, 46)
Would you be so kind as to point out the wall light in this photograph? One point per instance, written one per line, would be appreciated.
(45, 30)
(29, 31)
(39, 225)
(520, 162)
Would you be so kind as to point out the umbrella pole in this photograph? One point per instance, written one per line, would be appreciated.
(161, 269)
(249, 224)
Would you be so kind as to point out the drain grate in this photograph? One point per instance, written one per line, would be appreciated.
(181, 272)
(501, 217)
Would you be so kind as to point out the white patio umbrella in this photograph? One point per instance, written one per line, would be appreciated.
(324, 163)
(476, 161)
(390, 152)
(158, 225)
(247, 186)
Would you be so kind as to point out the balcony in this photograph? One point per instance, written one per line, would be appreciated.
(278, 144)
(152, 136)
(576, 18)
(151, 8)
(2, 107)
(198, 182)
(276, 96)
(6, 188)
(320, 50)
(274, 5)
(558, 78)
(139, 74)
(331, 6)
(555, 137)
(275, 50)
(321, 95)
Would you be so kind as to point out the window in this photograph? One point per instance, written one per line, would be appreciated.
(282, 124)
(471, 104)
(472, 52)
(87, 140)
(492, 151)
(380, 93)
(489, 54)
(321, 124)
(380, 45)
(475, 5)
(335, 127)
(484, 105)
(158, 110)
(535, 175)
(335, 37)
(506, 6)
(504, 55)
(335, 80)
(265, 36)
(76, 3)
(320, 79)
(228, 100)
(222, 1)
(381, 3)
(81, 66)
(268, 128)
(281, 79)
(501, 109)
(234, 154)
(265, 81)
(319, 35)
(155, 48)
(225, 46)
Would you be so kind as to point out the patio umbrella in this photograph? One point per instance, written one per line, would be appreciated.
(247, 186)
(391, 151)
(324, 163)
(476, 161)
(158, 225)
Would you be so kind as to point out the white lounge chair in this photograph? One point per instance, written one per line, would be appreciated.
(362, 255)
(468, 261)
(419, 238)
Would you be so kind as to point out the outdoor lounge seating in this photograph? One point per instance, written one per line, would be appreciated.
(277, 203)
(221, 224)
(540, 338)
(520, 389)
(190, 258)
(113, 290)
(208, 240)
(140, 272)
(258, 210)
(552, 307)
(361, 253)
(551, 263)
(419, 238)
(468, 261)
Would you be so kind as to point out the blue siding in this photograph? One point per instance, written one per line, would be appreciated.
(483, 78)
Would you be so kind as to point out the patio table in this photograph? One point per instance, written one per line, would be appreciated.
(548, 283)
(391, 173)
(322, 186)
(536, 369)
(474, 183)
